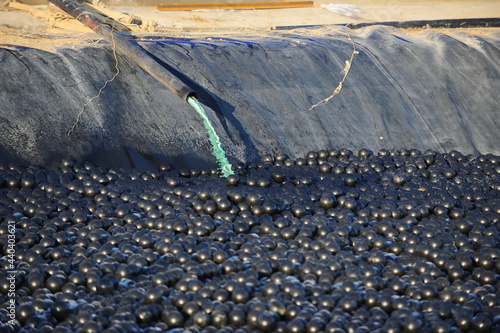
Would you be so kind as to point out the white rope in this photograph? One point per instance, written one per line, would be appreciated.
(345, 71)
(100, 90)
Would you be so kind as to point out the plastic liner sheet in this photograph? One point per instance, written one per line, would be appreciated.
(426, 90)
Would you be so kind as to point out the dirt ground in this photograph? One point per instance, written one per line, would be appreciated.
(364, 11)
(22, 29)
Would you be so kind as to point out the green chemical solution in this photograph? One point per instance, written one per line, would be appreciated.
(218, 151)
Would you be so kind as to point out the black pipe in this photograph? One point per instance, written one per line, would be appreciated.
(130, 50)
(449, 24)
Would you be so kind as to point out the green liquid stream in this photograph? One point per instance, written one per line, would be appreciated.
(218, 151)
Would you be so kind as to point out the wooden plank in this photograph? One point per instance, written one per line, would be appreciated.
(57, 19)
(241, 5)
(131, 22)
(128, 21)
(111, 21)
(30, 9)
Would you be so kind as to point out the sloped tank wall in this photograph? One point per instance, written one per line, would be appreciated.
(424, 91)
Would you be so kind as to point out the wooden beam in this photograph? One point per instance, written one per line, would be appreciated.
(105, 18)
(131, 23)
(56, 18)
(241, 5)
